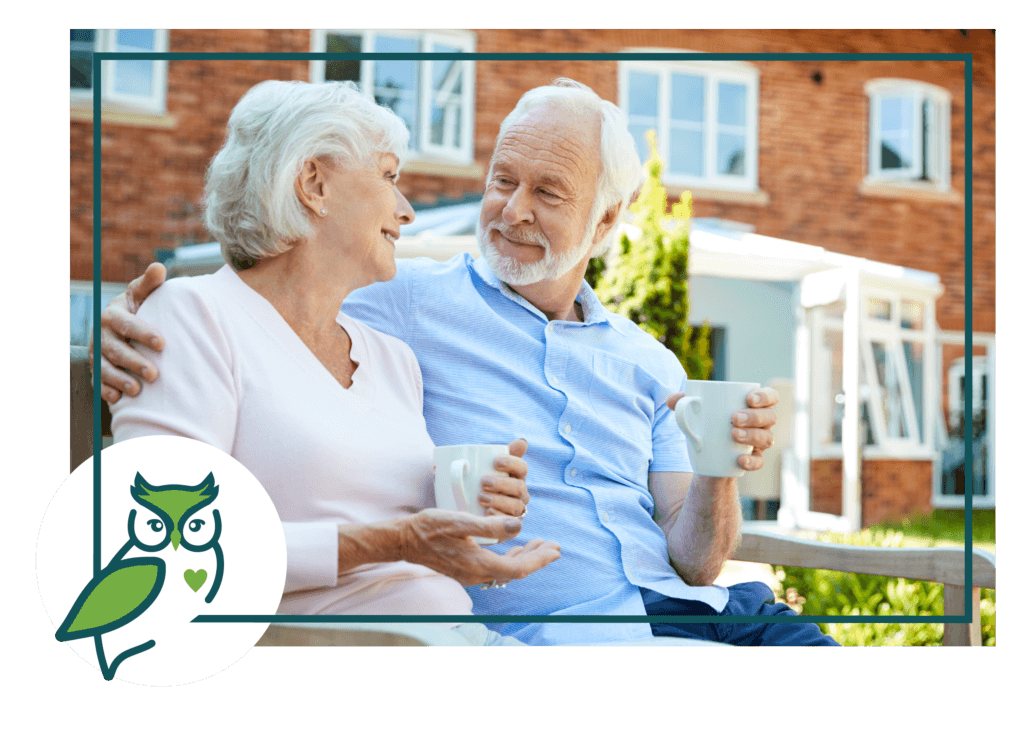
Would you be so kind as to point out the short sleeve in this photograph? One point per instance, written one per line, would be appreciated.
(668, 444)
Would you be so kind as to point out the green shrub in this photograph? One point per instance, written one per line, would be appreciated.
(828, 593)
(647, 281)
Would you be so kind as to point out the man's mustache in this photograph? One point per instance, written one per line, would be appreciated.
(515, 233)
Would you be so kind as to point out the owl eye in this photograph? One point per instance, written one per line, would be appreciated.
(196, 533)
(149, 534)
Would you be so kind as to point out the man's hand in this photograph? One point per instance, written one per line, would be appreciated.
(441, 540)
(752, 426)
(121, 365)
(507, 495)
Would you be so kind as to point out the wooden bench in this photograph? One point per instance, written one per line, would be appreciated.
(943, 565)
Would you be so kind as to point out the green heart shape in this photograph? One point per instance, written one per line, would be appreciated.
(195, 579)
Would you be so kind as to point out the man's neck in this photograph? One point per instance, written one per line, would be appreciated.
(556, 298)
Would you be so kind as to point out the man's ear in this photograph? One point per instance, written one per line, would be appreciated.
(607, 222)
(310, 185)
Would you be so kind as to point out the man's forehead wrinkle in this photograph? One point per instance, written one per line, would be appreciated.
(564, 153)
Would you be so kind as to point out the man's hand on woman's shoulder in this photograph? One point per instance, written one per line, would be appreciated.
(121, 365)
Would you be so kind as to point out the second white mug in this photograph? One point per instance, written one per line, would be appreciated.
(457, 473)
(705, 417)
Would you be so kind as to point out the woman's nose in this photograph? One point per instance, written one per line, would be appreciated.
(403, 210)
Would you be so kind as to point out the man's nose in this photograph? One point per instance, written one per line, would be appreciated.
(518, 209)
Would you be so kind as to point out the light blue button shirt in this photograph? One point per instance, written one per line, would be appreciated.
(588, 397)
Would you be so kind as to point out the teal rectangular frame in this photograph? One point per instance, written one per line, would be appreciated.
(967, 60)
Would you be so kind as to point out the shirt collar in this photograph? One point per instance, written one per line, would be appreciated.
(593, 311)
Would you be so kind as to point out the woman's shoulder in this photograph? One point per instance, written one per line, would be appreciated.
(188, 293)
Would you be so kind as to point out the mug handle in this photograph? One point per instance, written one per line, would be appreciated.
(459, 470)
(684, 423)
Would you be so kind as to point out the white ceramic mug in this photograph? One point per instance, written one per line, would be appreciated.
(457, 473)
(705, 417)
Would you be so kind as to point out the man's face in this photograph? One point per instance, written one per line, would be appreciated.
(542, 183)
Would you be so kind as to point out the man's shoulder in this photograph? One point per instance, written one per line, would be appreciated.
(640, 348)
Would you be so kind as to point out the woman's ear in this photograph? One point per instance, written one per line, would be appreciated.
(309, 186)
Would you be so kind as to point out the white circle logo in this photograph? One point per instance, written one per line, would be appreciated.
(185, 531)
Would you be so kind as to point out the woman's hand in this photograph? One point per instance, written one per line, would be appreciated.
(441, 540)
(507, 495)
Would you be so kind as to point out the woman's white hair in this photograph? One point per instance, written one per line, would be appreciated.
(621, 170)
(251, 205)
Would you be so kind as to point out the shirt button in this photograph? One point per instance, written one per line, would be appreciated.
(606, 517)
(572, 472)
(554, 381)
(568, 427)
(551, 327)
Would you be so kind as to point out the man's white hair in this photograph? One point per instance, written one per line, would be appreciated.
(251, 205)
(621, 170)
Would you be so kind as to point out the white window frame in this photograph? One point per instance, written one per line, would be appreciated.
(981, 364)
(713, 73)
(105, 40)
(920, 443)
(420, 146)
(938, 154)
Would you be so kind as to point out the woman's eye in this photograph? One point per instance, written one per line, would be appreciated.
(195, 525)
(156, 524)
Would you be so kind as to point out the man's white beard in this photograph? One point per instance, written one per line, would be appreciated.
(550, 267)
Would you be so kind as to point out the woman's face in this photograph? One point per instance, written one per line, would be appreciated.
(365, 211)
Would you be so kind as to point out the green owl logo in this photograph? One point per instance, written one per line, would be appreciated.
(128, 585)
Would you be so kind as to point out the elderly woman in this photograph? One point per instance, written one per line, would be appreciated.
(323, 410)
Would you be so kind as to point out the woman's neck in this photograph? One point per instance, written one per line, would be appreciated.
(295, 283)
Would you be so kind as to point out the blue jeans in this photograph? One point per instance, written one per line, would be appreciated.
(745, 599)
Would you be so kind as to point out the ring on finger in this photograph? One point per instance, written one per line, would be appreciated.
(493, 584)
(525, 509)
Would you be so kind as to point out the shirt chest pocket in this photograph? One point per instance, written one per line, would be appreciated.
(621, 397)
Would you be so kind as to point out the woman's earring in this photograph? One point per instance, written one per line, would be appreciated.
(323, 211)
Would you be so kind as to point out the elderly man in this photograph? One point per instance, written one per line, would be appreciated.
(517, 343)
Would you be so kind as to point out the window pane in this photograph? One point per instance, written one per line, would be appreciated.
(879, 309)
(892, 407)
(913, 352)
(897, 133)
(395, 80)
(81, 58)
(832, 375)
(912, 314)
(446, 106)
(686, 152)
(341, 70)
(732, 104)
(134, 77)
(136, 40)
(643, 94)
(731, 153)
(639, 132)
(688, 98)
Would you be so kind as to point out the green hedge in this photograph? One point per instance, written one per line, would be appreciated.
(828, 593)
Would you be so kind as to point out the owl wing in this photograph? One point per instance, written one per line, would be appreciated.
(117, 595)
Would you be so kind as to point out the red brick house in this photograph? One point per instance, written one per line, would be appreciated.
(817, 185)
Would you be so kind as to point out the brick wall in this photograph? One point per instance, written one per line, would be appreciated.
(812, 145)
(891, 489)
